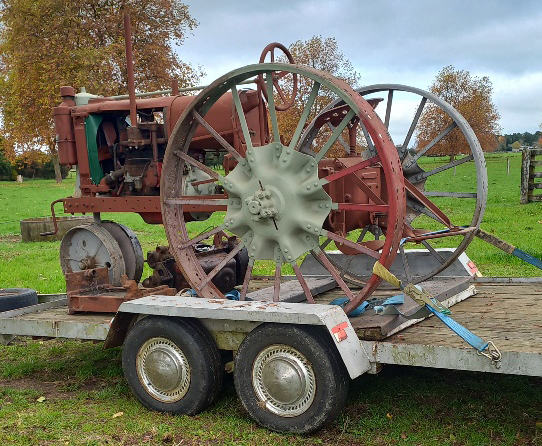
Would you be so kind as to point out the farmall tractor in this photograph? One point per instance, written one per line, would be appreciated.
(335, 181)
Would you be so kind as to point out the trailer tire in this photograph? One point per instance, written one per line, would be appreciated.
(13, 298)
(157, 345)
(290, 378)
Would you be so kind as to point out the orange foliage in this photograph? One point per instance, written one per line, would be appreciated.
(471, 97)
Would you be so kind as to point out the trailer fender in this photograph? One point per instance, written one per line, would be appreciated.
(243, 316)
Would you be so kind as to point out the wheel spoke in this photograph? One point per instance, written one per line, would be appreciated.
(388, 109)
(334, 273)
(413, 125)
(217, 136)
(418, 195)
(246, 281)
(303, 283)
(422, 176)
(241, 116)
(221, 265)
(276, 283)
(451, 194)
(340, 139)
(362, 234)
(271, 106)
(305, 115)
(342, 240)
(405, 263)
(195, 163)
(326, 242)
(279, 90)
(338, 130)
(433, 251)
(202, 236)
(429, 146)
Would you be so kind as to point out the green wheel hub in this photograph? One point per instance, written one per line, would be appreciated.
(277, 204)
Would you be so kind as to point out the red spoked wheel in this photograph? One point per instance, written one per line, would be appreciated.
(274, 199)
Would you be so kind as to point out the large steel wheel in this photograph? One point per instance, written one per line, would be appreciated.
(434, 219)
(273, 198)
(92, 246)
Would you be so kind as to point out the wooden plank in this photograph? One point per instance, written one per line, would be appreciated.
(291, 291)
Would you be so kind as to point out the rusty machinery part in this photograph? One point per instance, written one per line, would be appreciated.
(428, 209)
(92, 246)
(277, 76)
(130, 248)
(273, 199)
(119, 170)
(166, 272)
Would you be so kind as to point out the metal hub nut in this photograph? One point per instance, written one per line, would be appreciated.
(262, 205)
(277, 208)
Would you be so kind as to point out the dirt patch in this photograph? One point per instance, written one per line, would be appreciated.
(52, 389)
(10, 238)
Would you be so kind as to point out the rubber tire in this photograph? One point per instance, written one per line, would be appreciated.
(332, 380)
(200, 350)
(21, 297)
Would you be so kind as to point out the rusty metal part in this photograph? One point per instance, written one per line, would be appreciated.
(91, 246)
(53, 216)
(287, 103)
(130, 69)
(90, 291)
(231, 274)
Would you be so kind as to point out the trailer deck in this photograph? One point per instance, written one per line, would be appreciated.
(504, 312)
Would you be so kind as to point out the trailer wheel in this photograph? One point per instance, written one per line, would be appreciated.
(290, 378)
(172, 365)
(13, 298)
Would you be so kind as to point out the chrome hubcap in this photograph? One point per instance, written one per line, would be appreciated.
(163, 370)
(284, 380)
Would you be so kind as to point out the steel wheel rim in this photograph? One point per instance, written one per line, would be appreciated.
(176, 155)
(91, 246)
(284, 380)
(163, 370)
(474, 146)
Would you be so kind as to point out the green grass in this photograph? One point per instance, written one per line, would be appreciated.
(83, 384)
(83, 388)
(36, 265)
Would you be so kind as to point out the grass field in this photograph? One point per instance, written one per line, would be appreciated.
(87, 402)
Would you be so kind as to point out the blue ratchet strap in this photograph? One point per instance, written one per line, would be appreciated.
(342, 301)
(484, 348)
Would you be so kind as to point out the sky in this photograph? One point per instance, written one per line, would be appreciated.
(389, 41)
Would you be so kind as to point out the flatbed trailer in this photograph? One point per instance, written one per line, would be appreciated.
(504, 311)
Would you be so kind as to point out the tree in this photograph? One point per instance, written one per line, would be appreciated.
(516, 145)
(45, 44)
(322, 54)
(469, 95)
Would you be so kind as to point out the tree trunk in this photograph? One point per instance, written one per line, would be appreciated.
(58, 173)
(54, 156)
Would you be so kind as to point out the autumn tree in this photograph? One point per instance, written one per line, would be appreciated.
(45, 44)
(322, 54)
(472, 97)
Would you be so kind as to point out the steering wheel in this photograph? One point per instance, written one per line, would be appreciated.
(286, 102)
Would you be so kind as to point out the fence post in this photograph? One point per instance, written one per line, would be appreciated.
(525, 169)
